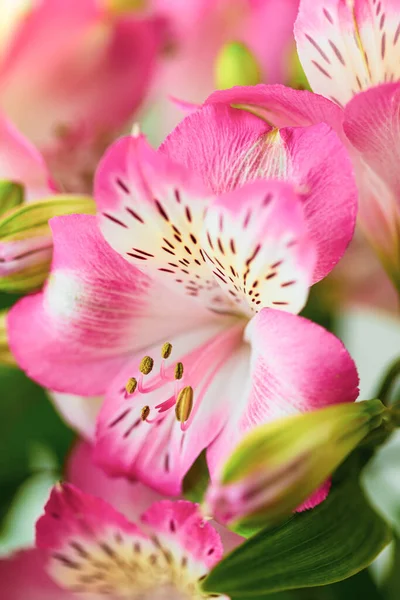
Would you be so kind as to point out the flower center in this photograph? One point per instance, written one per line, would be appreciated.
(190, 380)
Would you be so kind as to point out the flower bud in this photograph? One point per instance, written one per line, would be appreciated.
(26, 243)
(278, 465)
(11, 195)
(236, 65)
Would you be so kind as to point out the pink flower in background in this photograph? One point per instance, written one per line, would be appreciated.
(347, 48)
(22, 163)
(197, 31)
(31, 574)
(72, 74)
(216, 249)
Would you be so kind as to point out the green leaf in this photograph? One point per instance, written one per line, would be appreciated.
(27, 419)
(11, 195)
(328, 544)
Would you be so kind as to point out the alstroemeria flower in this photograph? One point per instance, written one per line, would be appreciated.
(345, 49)
(72, 74)
(111, 508)
(218, 252)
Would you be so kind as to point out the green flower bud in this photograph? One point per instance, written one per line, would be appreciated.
(279, 465)
(11, 195)
(236, 65)
(25, 240)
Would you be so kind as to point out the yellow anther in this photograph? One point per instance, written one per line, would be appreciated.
(146, 365)
(184, 404)
(166, 350)
(145, 412)
(178, 370)
(131, 385)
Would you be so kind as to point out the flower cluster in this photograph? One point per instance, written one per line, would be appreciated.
(161, 287)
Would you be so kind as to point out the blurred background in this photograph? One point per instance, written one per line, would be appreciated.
(191, 49)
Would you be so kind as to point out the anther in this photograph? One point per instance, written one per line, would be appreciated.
(146, 365)
(145, 412)
(131, 385)
(184, 404)
(178, 370)
(166, 350)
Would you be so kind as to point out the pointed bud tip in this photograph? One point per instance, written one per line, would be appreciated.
(236, 65)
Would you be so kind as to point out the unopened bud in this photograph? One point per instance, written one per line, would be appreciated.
(236, 65)
(279, 465)
(146, 365)
(26, 244)
(184, 404)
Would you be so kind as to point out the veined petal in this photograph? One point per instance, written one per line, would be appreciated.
(92, 548)
(282, 106)
(228, 147)
(257, 244)
(347, 46)
(94, 312)
(152, 212)
(155, 446)
(296, 366)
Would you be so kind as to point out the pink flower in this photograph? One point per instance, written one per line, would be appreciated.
(71, 76)
(198, 30)
(112, 523)
(212, 256)
(347, 47)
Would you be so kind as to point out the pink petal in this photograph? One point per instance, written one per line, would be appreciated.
(227, 148)
(76, 104)
(152, 213)
(93, 313)
(21, 162)
(282, 106)
(257, 244)
(181, 523)
(296, 366)
(316, 498)
(372, 126)
(23, 577)
(131, 498)
(348, 47)
(160, 450)
(92, 548)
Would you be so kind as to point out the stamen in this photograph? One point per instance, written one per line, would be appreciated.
(131, 385)
(146, 365)
(145, 412)
(179, 370)
(166, 350)
(184, 404)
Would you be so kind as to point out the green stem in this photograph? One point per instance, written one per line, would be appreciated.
(388, 383)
